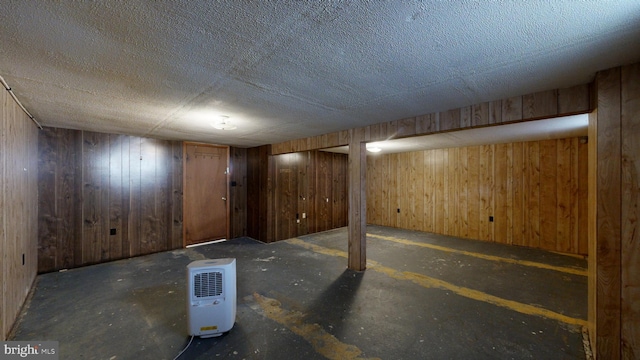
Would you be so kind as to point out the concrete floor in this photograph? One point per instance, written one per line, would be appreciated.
(423, 296)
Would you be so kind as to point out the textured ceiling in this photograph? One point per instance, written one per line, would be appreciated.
(288, 69)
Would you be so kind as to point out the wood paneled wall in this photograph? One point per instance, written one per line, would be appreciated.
(310, 191)
(536, 193)
(326, 186)
(614, 209)
(295, 194)
(544, 104)
(18, 214)
(92, 184)
(238, 192)
(259, 199)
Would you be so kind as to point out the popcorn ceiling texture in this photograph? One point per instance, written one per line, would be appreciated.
(288, 69)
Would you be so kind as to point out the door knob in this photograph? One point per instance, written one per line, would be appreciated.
(224, 198)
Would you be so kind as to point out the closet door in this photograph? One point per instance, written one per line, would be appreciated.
(205, 193)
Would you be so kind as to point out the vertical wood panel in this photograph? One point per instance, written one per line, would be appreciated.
(382, 171)
(573, 100)
(102, 200)
(177, 198)
(135, 195)
(286, 196)
(418, 180)
(501, 193)
(413, 185)
(116, 206)
(583, 198)
(164, 194)
(323, 188)
(574, 181)
(339, 191)
(512, 109)
(466, 114)
(392, 129)
(238, 192)
(607, 219)
(404, 189)
(473, 154)
(373, 202)
(429, 191)
(566, 192)
(518, 174)
(258, 192)
(592, 213)
(393, 190)
(426, 124)
(48, 228)
(125, 199)
(304, 185)
(73, 187)
(541, 104)
(526, 193)
(387, 178)
(30, 215)
(548, 209)
(357, 258)
(495, 112)
(398, 179)
(5, 316)
(374, 132)
(333, 139)
(533, 195)
(409, 191)
(486, 192)
(95, 195)
(18, 209)
(450, 119)
(463, 192)
(510, 183)
(439, 183)
(451, 201)
(324, 140)
(406, 127)
(148, 216)
(630, 212)
(343, 137)
(480, 114)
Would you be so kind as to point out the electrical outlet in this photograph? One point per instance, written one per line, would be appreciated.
(490, 218)
(112, 231)
(398, 211)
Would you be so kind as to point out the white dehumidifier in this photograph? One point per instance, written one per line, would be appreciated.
(211, 299)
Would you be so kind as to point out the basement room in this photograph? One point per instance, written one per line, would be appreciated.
(320, 180)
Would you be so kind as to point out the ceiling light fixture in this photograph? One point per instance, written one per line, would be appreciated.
(373, 148)
(224, 124)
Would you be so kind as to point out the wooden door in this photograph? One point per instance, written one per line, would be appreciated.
(205, 193)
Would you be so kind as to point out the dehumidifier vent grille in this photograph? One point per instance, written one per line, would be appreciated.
(207, 284)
